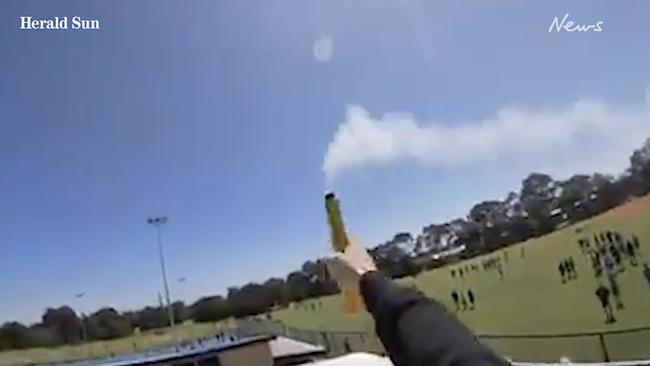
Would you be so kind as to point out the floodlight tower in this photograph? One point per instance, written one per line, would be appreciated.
(84, 334)
(158, 222)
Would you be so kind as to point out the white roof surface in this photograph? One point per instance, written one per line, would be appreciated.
(366, 359)
(283, 346)
(355, 359)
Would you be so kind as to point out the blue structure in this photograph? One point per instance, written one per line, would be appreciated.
(200, 352)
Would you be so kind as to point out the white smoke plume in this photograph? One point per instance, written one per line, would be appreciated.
(587, 136)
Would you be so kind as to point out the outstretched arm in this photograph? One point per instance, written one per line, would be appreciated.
(415, 330)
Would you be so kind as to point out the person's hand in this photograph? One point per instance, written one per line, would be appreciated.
(348, 267)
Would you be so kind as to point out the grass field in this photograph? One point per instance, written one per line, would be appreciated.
(139, 342)
(531, 299)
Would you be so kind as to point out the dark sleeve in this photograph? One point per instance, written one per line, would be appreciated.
(416, 330)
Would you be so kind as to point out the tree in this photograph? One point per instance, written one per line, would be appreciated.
(210, 309)
(150, 318)
(41, 336)
(516, 227)
(326, 284)
(574, 197)
(607, 192)
(248, 300)
(320, 283)
(393, 261)
(64, 324)
(275, 289)
(537, 194)
(403, 237)
(298, 286)
(639, 171)
(468, 233)
(407, 267)
(491, 217)
(13, 335)
(107, 323)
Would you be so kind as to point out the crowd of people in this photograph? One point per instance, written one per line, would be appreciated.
(609, 251)
(611, 248)
(465, 299)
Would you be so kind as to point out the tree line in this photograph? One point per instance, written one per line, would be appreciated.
(541, 205)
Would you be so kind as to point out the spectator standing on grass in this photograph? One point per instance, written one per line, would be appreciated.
(616, 292)
(346, 346)
(609, 265)
(637, 244)
(616, 255)
(454, 296)
(596, 263)
(631, 252)
(413, 329)
(622, 248)
(573, 268)
(562, 270)
(568, 269)
(470, 297)
(463, 302)
(610, 273)
(603, 294)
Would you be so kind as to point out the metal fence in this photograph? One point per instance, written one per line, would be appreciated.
(628, 344)
(605, 346)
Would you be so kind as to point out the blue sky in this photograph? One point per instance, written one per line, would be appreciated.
(217, 114)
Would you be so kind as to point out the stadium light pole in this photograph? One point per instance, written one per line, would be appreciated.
(84, 334)
(158, 222)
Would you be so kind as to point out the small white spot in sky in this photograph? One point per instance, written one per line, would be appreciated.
(323, 47)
